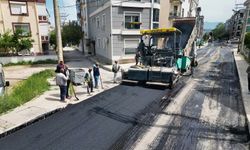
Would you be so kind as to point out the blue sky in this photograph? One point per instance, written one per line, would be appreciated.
(213, 10)
(70, 9)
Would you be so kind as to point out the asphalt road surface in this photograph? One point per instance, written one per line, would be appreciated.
(202, 112)
(93, 124)
(206, 114)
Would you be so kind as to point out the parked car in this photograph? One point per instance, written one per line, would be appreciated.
(3, 83)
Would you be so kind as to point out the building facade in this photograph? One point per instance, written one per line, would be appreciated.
(245, 29)
(112, 27)
(31, 16)
(235, 24)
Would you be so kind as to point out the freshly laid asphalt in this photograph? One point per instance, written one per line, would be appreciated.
(92, 124)
(104, 114)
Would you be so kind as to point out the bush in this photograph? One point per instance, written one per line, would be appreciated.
(26, 90)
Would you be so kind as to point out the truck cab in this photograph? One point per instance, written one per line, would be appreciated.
(3, 83)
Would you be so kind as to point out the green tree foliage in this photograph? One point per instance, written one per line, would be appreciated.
(14, 43)
(6, 43)
(22, 41)
(247, 40)
(52, 39)
(219, 32)
(71, 34)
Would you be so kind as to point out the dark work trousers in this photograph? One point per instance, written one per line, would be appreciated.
(67, 89)
(248, 83)
(90, 86)
(62, 92)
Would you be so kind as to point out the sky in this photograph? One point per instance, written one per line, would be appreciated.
(67, 8)
(218, 10)
(213, 10)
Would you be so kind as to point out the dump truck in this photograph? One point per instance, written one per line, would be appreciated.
(166, 54)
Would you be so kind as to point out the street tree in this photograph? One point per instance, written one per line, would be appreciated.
(16, 42)
(220, 32)
(71, 34)
(6, 43)
(22, 41)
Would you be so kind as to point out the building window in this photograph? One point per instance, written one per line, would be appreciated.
(155, 25)
(248, 29)
(18, 8)
(98, 2)
(130, 46)
(97, 22)
(156, 1)
(132, 21)
(248, 20)
(99, 43)
(42, 18)
(241, 15)
(25, 27)
(103, 21)
(104, 43)
(45, 38)
(156, 15)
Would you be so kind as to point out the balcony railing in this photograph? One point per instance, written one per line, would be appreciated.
(173, 15)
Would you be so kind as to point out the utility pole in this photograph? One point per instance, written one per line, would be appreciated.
(58, 31)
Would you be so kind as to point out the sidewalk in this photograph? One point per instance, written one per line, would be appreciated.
(242, 65)
(48, 102)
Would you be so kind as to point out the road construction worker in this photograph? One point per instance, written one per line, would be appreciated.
(89, 80)
(248, 78)
(115, 70)
(142, 50)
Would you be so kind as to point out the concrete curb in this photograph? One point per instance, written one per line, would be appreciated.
(244, 99)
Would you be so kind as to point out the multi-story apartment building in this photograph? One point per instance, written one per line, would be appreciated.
(235, 23)
(172, 9)
(112, 27)
(29, 15)
(245, 29)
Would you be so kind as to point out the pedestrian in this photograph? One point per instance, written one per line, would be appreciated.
(96, 74)
(66, 73)
(248, 78)
(89, 80)
(61, 81)
(137, 57)
(59, 66)
(115, 69)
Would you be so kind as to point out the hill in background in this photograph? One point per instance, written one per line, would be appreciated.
(208, 26)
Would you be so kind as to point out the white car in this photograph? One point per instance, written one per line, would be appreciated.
(3, 83)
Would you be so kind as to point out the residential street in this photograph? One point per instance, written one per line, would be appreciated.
(205, 112)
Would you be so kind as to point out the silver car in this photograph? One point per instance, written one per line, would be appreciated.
(3, 83)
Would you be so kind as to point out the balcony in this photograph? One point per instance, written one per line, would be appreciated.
(174, 15)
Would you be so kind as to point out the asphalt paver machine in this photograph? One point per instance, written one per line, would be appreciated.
(162, 58)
